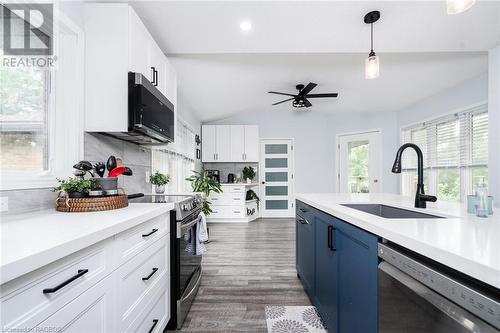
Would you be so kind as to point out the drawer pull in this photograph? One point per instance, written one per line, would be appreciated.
(236, 198)
(150, 275)
(149, 234)
(81, 272)
(303, 210)
(237, 212)
(155, 321)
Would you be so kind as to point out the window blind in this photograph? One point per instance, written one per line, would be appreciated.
(455, 149)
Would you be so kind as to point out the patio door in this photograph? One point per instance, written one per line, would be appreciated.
(276, 178)
(359, 162)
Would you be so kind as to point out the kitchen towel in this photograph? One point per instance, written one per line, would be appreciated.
(202, 234)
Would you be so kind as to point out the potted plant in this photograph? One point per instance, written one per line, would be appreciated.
(76, 188)
(248, 174)
(200, 182)
(251, 195)
(159, 180)
(95, 188)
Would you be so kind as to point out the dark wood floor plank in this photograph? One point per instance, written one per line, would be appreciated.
(247, 267)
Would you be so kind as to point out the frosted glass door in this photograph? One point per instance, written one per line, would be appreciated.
(276, 176)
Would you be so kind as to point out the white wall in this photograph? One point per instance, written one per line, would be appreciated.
(494, 123)
(315, 142)
(446, 102)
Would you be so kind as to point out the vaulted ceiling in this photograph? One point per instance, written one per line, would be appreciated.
(223, 70)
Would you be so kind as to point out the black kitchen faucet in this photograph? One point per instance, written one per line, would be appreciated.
(420, 197)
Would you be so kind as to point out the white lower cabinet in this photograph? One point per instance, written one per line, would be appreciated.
(231, 206)
(112, 286)
(89, 312)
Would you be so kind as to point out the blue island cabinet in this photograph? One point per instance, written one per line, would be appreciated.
(345, 274)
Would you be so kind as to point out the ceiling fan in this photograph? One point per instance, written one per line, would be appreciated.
(300, 99)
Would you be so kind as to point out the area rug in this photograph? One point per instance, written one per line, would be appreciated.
(293, 319)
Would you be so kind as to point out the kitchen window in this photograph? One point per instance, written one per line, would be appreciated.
(455, 149)
(177, 159)
(41, 113)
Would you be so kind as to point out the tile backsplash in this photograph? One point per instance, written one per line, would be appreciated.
(97, 148)
(236, 168)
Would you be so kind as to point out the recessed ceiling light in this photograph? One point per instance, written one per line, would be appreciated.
(458, 6)
(246, 25)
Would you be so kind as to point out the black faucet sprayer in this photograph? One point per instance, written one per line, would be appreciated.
(420, 197)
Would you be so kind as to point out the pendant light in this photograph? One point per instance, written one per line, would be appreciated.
(372, 65)
(458, 6)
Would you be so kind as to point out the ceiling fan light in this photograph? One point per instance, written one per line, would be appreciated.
(372, 67)
(458, 6)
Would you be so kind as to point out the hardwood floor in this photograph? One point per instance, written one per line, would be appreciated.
(247, 267)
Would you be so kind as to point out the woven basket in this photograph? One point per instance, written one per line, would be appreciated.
(74, 205)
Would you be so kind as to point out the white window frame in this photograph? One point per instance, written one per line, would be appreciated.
(465, 173)
(65, 114)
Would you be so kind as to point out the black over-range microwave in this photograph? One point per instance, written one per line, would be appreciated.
(150, 113)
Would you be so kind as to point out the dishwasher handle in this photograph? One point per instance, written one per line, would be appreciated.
(450, 309)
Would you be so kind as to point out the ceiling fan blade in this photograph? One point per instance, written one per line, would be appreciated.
(280, 93)
(286, 100)
(307, 103)
(322, 95)
(308, 88)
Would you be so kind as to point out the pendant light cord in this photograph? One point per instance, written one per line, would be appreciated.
(371, 26)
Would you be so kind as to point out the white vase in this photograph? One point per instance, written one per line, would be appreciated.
(249, 181)
(160, 189)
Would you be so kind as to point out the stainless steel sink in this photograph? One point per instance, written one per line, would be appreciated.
(390, 212)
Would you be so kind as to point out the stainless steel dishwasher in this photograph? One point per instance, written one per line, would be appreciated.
(419, 295)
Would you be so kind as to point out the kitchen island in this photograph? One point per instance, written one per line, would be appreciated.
(344, 244)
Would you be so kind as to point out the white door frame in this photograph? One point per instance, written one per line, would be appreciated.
(291, 179)
(337, 149)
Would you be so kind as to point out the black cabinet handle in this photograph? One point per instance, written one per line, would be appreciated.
(331, 235)
(303, 210)
(302, 220)
(153, 76)
(81, 272)
(150, 275)
(155, 321)
(149, 234)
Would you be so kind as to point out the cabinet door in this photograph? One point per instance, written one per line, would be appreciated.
(357, 278)
(208, 141)
(92, 311)
(138, 46)
(237, 143)
(223, 143)
(171, 84)
(305, 253)
(326, 292)
(158, 64)
(252, 143)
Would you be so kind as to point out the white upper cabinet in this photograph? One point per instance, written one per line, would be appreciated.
(237, 143)
(209, 142)
(117, 42)
(230, 143)
(252, 143)
(139, 46)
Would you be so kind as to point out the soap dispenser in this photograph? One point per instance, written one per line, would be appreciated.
(481, 199)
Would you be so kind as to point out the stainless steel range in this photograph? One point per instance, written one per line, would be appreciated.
(185, 266)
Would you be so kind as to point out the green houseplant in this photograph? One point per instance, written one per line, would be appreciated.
(248, 173)
(200, 182)
(77, 188)
(251, 195)
(159, 180)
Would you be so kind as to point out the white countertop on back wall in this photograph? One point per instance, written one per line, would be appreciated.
(462, 241)
(30, 241)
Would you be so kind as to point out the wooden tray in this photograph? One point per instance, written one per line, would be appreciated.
(80, 205)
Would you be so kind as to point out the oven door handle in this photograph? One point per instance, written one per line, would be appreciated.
(184, 227)
(450, 309)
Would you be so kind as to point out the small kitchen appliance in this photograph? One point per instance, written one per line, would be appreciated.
(214, 174)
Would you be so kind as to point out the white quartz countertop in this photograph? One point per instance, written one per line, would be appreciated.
(462, 241)
(30, 241)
